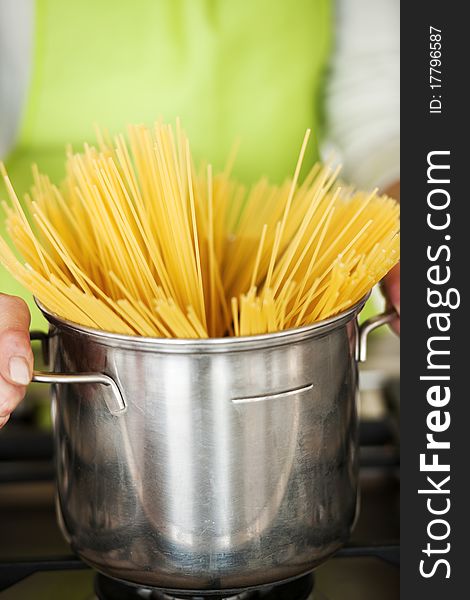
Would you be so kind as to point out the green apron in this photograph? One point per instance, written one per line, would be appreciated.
(248, 70)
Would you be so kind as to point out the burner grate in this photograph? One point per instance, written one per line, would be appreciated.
(298, 589)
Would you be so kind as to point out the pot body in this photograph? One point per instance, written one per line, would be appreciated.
(233, 465)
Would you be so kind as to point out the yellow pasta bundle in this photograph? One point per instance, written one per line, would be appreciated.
(138, 241)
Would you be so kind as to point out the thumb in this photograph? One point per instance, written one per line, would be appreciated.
(16, 357)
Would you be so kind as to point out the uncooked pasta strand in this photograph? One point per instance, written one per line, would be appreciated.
(139, 241)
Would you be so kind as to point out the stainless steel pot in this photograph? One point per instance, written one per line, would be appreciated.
(206, 464)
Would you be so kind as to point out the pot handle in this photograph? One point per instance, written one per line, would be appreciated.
(116, 406)
(368, 326)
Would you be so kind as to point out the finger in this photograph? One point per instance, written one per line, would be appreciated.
(395, 325)
(391, 289)
(4, 420)
(10, 397)
(16, 357)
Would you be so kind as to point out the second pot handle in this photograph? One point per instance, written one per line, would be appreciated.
(116, 406)
(368, 326)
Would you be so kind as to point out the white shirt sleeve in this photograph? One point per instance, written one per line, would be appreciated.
(363, 92)
(16, 32)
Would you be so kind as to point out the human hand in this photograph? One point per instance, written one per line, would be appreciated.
(16, 356)
(391, 281)
(391, 291)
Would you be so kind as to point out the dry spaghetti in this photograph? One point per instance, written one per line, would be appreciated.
(138, 241)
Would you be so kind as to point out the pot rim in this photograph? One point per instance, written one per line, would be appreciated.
(205, 345)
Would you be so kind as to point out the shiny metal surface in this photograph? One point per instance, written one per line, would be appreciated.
(233, 465)
(116, 403)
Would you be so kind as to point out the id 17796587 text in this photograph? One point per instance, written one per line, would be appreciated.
(435, 70)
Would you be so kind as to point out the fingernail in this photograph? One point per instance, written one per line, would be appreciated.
(4, 420)
(19, 370)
